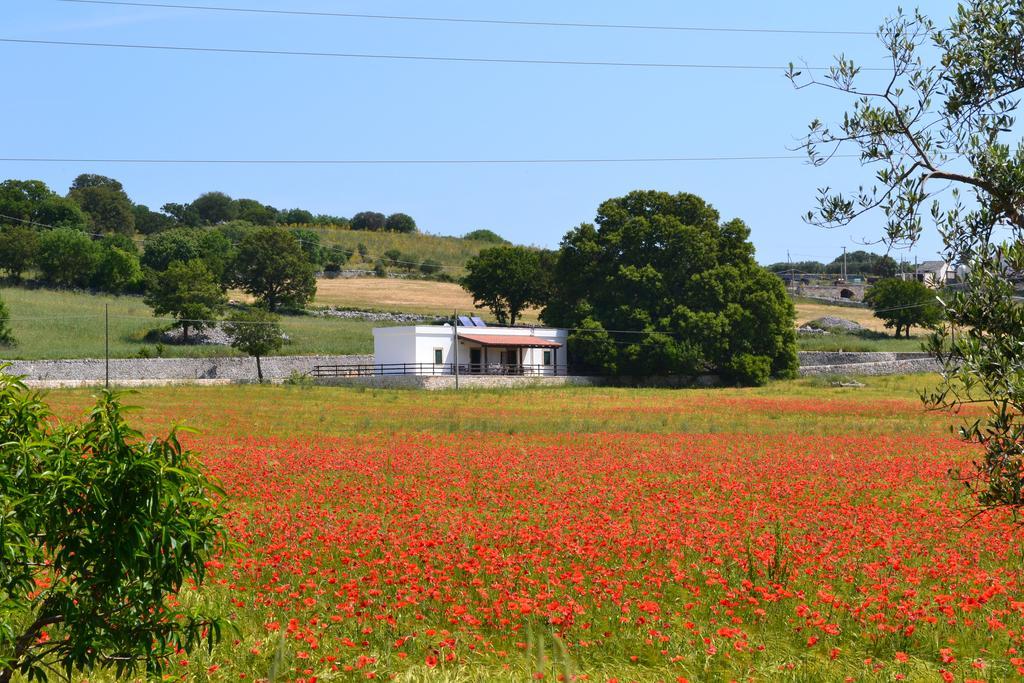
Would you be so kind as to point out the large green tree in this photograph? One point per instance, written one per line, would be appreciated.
(104, 201)
(507, 280)
(660, 285)
(102, 527)
(271, 265)
(940, 123)
(31, 201)
(214, 208)
(188, 292)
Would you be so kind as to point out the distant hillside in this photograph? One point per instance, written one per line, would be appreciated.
(451, 252)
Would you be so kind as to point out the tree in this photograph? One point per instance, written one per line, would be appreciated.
(271, 266)
(31, 201)
(102, 528)
(505, 279)
(118, 270)
(799, 266)
(151, 222)
(864, 263)
(183, 214)
(296, 217)
(6, 336)
(67, 257)
(105, 203)
(368, 220)
(176, 244)
(309, 241)
(400, 222)
(19, 246)
(255, 332)
(931, 130)
(903, 304)
(484, 235)
(256, 213)
(661, 286)
(188, 292)
(214, 207)
(431, 267)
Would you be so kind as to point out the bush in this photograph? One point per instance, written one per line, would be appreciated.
(748, 369)
(6, 336)
(101, 528)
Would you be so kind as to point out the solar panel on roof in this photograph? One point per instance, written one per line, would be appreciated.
(465, 322)
(478, 322)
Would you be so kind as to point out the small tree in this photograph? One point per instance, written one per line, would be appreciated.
(256, 333)
(368, 220)
(6, 336)
(188, 291)
(101, 528)
(19, 246)
(400, 222)
(506, 280)
(903, 304)
(272, 266)
(431, 267)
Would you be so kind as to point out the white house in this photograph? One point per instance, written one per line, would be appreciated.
(443, 350)
(935, 273)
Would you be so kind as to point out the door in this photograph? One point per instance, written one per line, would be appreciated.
(475, 362)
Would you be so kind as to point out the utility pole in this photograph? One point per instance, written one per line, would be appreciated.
(844, 264)
(455, 346)
(106, 346)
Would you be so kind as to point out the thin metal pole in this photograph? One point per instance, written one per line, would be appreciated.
(455, 345)
(106, 346)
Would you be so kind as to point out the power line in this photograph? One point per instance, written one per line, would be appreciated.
(424, 58)
(463, 20)
(416, 162)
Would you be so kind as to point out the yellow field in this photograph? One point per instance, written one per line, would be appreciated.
(864, 316)
(404, 296)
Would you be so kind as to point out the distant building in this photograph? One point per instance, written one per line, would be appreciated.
(935, 273)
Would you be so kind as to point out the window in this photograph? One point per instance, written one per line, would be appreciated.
(438, 356)
(547, 358)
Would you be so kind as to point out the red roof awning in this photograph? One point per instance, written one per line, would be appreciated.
(510, 341)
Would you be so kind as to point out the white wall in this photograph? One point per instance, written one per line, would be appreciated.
(416, 344)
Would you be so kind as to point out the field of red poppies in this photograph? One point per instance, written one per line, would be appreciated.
(794, 533)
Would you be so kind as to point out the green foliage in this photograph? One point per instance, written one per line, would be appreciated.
(864, 263)
(400, 222)
(293, 216)
(6, 335)
(187, 291)
(118, 271)
(903, 304)
(799, 266)
(214, 208)
(272, 266)
(105, 203)
(936, 129)
(177, 244)
(484, 235)
(368, 220)
(32, 200)
(683, 284)
(309, 242)
(19, 247)
(255, 332)
(101, 528)
(255, 212)
(151, 222)
(507, 280)
(67, 257)
(183, 214)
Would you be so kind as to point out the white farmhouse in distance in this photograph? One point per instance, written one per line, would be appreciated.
(472, 349)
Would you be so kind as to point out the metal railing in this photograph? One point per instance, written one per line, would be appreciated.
(467, 369)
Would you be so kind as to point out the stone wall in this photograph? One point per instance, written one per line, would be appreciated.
(438, 382)
(893, 367)
(132, 370)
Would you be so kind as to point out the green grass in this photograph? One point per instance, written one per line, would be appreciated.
(51, 324)
(864, 341)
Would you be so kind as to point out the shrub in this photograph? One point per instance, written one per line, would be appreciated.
(101, 528)
(67, 257)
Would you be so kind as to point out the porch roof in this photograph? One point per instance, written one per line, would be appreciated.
(510, 341)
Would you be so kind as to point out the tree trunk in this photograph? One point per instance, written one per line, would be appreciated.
(259, 370)
(184, 332)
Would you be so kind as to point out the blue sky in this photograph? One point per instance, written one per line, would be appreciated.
(108, 103)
